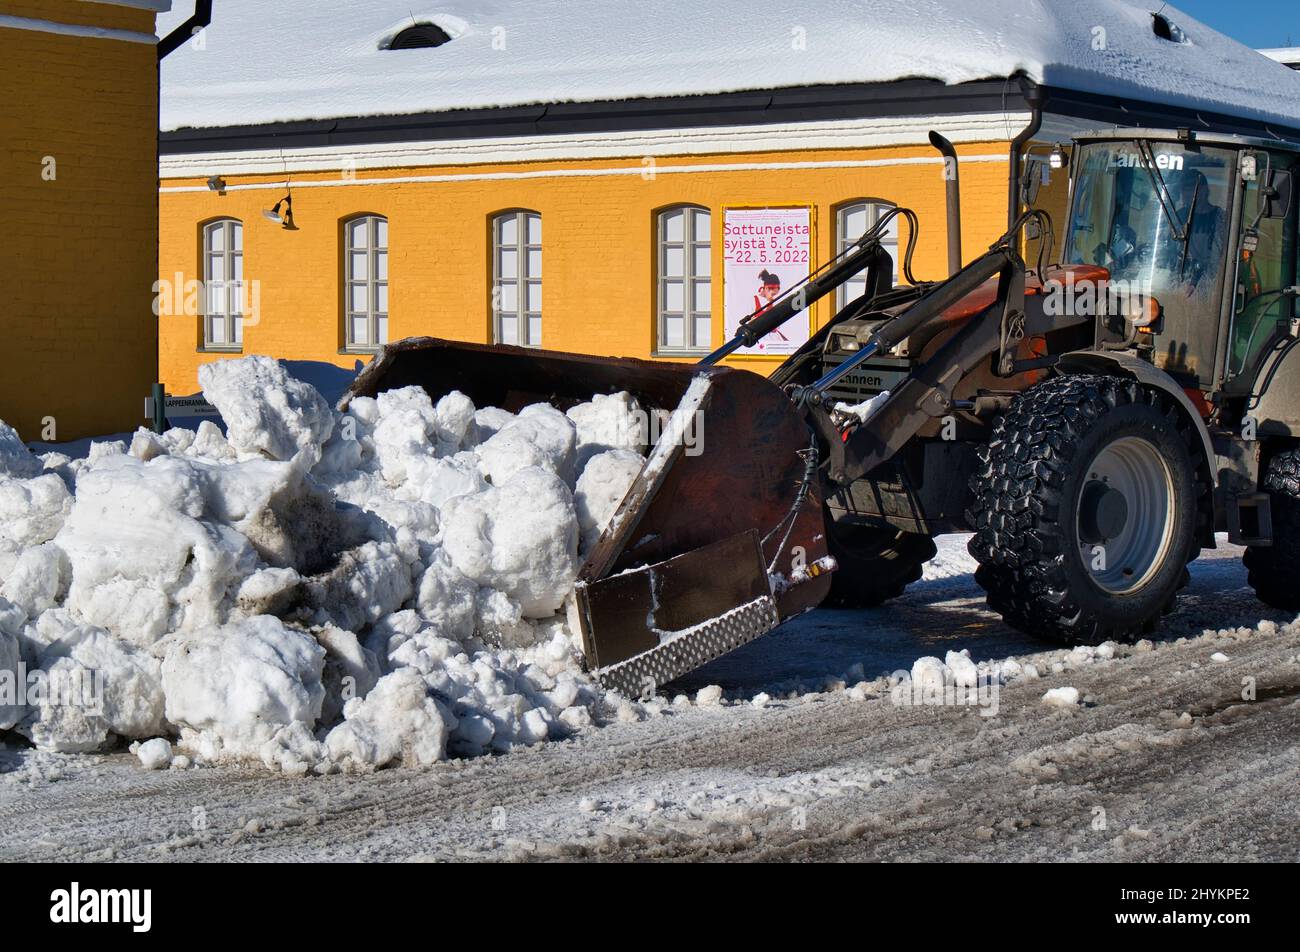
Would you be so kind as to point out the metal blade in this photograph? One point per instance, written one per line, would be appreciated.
(644, 627)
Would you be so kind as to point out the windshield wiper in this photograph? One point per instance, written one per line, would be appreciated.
(1186, 240)
(1181, 231)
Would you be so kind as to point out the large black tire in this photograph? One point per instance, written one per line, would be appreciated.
(1036, 514)
(1273, 569)
(875, 565)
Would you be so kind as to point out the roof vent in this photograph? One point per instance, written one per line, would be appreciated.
(421, 36)
(1166, 29)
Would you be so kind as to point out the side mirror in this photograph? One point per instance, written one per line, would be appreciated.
(1277, 198)
(1033, 182)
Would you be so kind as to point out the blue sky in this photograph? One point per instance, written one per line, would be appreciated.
(1257, 23)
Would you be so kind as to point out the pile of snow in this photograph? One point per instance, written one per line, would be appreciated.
(312, 589)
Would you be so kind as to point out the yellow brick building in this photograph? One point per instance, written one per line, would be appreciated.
(78, 214)
(335, 175)
(599, 235)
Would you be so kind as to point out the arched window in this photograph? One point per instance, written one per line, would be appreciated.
(517, 278)
(851, 221)
(365, 296)
(684, 269)
(223, 285)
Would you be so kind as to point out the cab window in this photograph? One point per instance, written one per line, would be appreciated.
(1267, 267)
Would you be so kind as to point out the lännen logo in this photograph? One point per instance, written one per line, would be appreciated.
(100, 906)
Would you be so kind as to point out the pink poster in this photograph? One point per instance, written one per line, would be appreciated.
(766, 252)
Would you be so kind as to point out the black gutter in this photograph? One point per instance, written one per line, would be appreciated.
(912, 97)
(173, 40)
(1036, 97)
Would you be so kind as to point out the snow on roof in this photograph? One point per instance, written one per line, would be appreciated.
(264, 62)
(1288, 55)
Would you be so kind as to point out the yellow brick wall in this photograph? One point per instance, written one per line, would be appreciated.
(78, 253)
(598, 243)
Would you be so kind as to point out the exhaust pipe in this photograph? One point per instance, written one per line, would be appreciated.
(952, 181)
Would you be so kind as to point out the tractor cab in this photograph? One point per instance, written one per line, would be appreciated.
(1198, 234)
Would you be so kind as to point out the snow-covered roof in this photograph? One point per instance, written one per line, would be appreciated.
(1287, 55)
(263, 62)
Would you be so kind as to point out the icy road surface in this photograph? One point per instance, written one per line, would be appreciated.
(1162, 760)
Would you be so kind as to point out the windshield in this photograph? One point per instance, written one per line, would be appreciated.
(1153, 214)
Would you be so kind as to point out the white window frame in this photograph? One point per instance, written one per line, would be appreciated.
(223, 240)
(875, 207)
(375, 252)
(689, 279)
(526, 281)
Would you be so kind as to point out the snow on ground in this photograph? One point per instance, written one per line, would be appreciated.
(312, 589)
(378, 597)
(321, 59)
(1163, 760)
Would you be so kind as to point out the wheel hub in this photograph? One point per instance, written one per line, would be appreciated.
(1125, 515)
(1103, 513)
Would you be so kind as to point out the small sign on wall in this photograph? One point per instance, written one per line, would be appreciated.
(766, 251)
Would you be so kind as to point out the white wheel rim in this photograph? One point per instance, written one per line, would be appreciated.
(1124, 560)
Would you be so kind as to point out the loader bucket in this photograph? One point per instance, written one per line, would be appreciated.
(713, 545)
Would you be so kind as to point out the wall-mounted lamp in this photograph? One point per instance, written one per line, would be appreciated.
(217, 184)
(282, 213)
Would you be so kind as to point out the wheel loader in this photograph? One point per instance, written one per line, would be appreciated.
(1092, 419)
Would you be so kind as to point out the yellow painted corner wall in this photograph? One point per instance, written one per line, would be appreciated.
(598, 227)
(78, 216)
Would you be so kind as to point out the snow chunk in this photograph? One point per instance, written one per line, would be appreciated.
(155, 754)
(32, 511)
(398, 722)
(242, 682)
(143, 558)
(540, 436)
(366, 584)
(520, 538)
(38, 579)
(455, 418)
(963, 670)
(1062, 697)
(96, 685)
(601, 488)
(489, 421)
(15, 458)
(609, 422)
(351, 671)
(710, 696)
(930, 675)
(406, 432)
(267, 411)
(862, 411)
(447, 600)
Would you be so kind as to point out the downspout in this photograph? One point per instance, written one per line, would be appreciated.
(1036, 98)
(167, 45)
(952, 182)
(172, 41)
